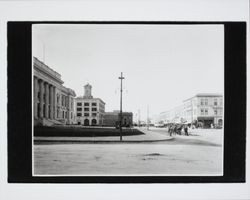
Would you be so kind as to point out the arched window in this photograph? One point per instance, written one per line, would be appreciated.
(86, 122)
(94, 122)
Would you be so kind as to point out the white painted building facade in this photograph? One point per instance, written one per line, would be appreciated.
(89, 111)
(53, 103)
(206, 108)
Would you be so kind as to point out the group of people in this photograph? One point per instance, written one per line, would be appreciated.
(177, 129)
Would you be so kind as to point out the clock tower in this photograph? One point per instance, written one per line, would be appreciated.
(87, 91)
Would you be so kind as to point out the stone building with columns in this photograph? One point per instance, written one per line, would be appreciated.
(53, 103)
(89, 111)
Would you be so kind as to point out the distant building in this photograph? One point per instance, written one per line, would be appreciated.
(174, 115)
(113, 119)
(89, 111)
(206, 108)
(53, 103)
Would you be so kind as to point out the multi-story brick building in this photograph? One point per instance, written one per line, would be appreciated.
(113, 119)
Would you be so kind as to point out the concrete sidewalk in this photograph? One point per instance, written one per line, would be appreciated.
(149, 136)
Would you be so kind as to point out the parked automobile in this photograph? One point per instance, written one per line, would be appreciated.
(159, 125)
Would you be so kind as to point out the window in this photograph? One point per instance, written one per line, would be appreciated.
(206, 102)
(79, 114)
(62, 101)
(71, 115)
(86, 114)
(94, 109)
(86, 104)
(215, 112)
(206, 112)
(215, 102)
(202, 102)
(79, 104)
(86, 109)
(202, 111)
(93, 114)
(220, 102)
(93, 104)
(78, 109)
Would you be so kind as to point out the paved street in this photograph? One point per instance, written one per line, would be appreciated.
(197, 154)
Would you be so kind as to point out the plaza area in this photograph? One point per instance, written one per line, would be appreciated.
(200, 153)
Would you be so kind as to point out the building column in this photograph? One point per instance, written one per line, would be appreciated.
(47, 100)
(41, 85)
(51, 101)
(35, 90)
(54, 101)
(60, 106)
(68, 109)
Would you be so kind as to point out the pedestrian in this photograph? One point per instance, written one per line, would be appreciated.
(186, 130)
(212, 126)
(169, 130)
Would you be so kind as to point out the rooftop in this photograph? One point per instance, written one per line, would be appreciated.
(46, 68)
(84, 98)
(205, 95)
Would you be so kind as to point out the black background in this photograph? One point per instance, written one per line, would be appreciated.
(20, 110)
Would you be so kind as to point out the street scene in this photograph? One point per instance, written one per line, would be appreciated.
(161, 155)
(105, 106)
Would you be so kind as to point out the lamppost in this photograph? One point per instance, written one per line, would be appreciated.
(121, 78)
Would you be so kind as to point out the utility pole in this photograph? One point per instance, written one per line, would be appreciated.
(121, 77)
(147, 118)
(139, 123)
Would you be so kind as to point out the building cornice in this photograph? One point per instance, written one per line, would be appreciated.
(42, 68)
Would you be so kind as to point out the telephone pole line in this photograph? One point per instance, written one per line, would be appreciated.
(121, 77)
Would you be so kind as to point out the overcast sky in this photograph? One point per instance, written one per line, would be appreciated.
(162, 64)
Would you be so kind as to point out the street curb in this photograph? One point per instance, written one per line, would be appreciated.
(97, 141)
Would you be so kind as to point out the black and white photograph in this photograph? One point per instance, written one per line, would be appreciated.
(124, 99)
(128, 99)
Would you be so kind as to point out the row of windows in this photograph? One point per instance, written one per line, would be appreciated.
(86, 114)
(205, 112)
(86, 104)
(64, 114)
(86, 109)
(217, 113)
(205, 102)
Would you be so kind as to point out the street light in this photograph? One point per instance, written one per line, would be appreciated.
(121, 78)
